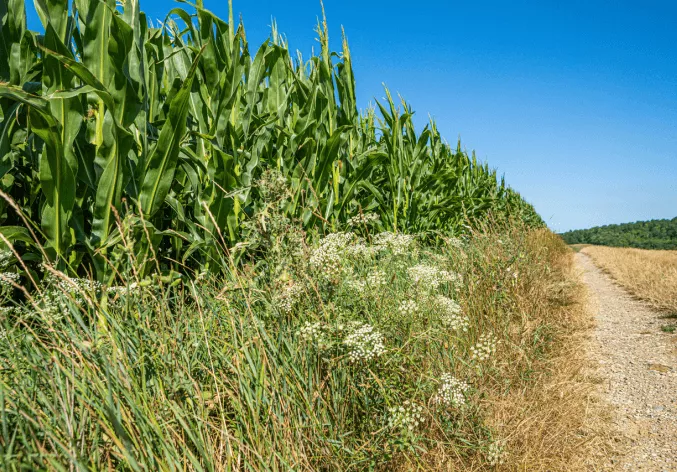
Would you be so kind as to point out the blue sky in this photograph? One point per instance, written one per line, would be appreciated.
(575, 102)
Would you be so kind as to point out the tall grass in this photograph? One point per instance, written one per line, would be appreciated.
(105, 114)
(648, 274)
(364, 351)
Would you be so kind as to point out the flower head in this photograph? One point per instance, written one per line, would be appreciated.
(452, 392)
(407, 416)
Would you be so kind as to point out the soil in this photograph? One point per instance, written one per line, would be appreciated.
(638, 367)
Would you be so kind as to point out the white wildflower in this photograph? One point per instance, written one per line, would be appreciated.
(496, 454)
(7, 279)
(355, 285)
(315, 333)
(399, 244)
(485, 348)
(364, 343)
(5, 258)
(425, 275)
(288, 297)
(328, 256)
(408, 308)
(377, 278)
(455, 242)
(363, 219)
(408, 416)
(452, 392)
(451, 277)
(361, 251)
(450, 314)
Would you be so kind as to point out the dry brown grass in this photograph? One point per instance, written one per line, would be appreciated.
(545, 406)
(648, 274)
(556, 423)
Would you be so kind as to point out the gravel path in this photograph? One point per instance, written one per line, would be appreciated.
(638, 365)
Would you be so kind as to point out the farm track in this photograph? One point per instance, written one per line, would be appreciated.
(638, 370)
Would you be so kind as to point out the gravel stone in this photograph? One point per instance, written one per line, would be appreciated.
(638, 364)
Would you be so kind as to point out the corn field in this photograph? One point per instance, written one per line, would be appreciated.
(110, 121)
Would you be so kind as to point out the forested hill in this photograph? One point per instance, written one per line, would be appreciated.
(653, 234)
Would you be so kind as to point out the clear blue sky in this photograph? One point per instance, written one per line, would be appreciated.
(575, 102)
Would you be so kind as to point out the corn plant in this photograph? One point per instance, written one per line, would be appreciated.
(109, 120)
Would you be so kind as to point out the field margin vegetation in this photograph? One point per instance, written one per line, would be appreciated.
(648, 274)
(358, 352)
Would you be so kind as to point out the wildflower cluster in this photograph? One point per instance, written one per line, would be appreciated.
(5, 259)
(408, 416)
(377, 278)
(451, 277)
(9, 278)
(425, 275)
(408, 308)
(315, 333)
(455, 242)
(485, 348)
(288, 297)
(355, 285)
(496, 454)
(361, 251)
(399, 244)
(363, 219)
(74, 286)
(327, 257)
(272, 185)
(450, 314)
(452, 392)
(364, 343)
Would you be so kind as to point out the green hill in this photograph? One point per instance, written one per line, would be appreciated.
(653, 234)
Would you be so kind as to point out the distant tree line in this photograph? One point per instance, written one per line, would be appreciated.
(653, 234)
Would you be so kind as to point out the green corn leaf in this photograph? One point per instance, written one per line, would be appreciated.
(162, 162)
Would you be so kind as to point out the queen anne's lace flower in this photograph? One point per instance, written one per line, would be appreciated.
(485, 348)
(455, 242)
(361, 251)
(450, 314)
(451, 277)
(399, 244)
(355, 285)
(496, 454)
(289, 297)
(363, 219)
(408, 416)
(425, 275)
(451, 392)
(408, 308)
(328, 255)
(364, 343)
(377, 278)
(315, 333)
(9, 278)
(5, 258)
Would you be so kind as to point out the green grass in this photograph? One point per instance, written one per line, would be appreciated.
(299, 363)
(669, 328)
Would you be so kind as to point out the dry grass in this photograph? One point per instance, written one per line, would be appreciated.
(556, 422)
(648, 274)
(546, 406)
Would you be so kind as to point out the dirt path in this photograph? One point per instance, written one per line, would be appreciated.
(638, 365)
